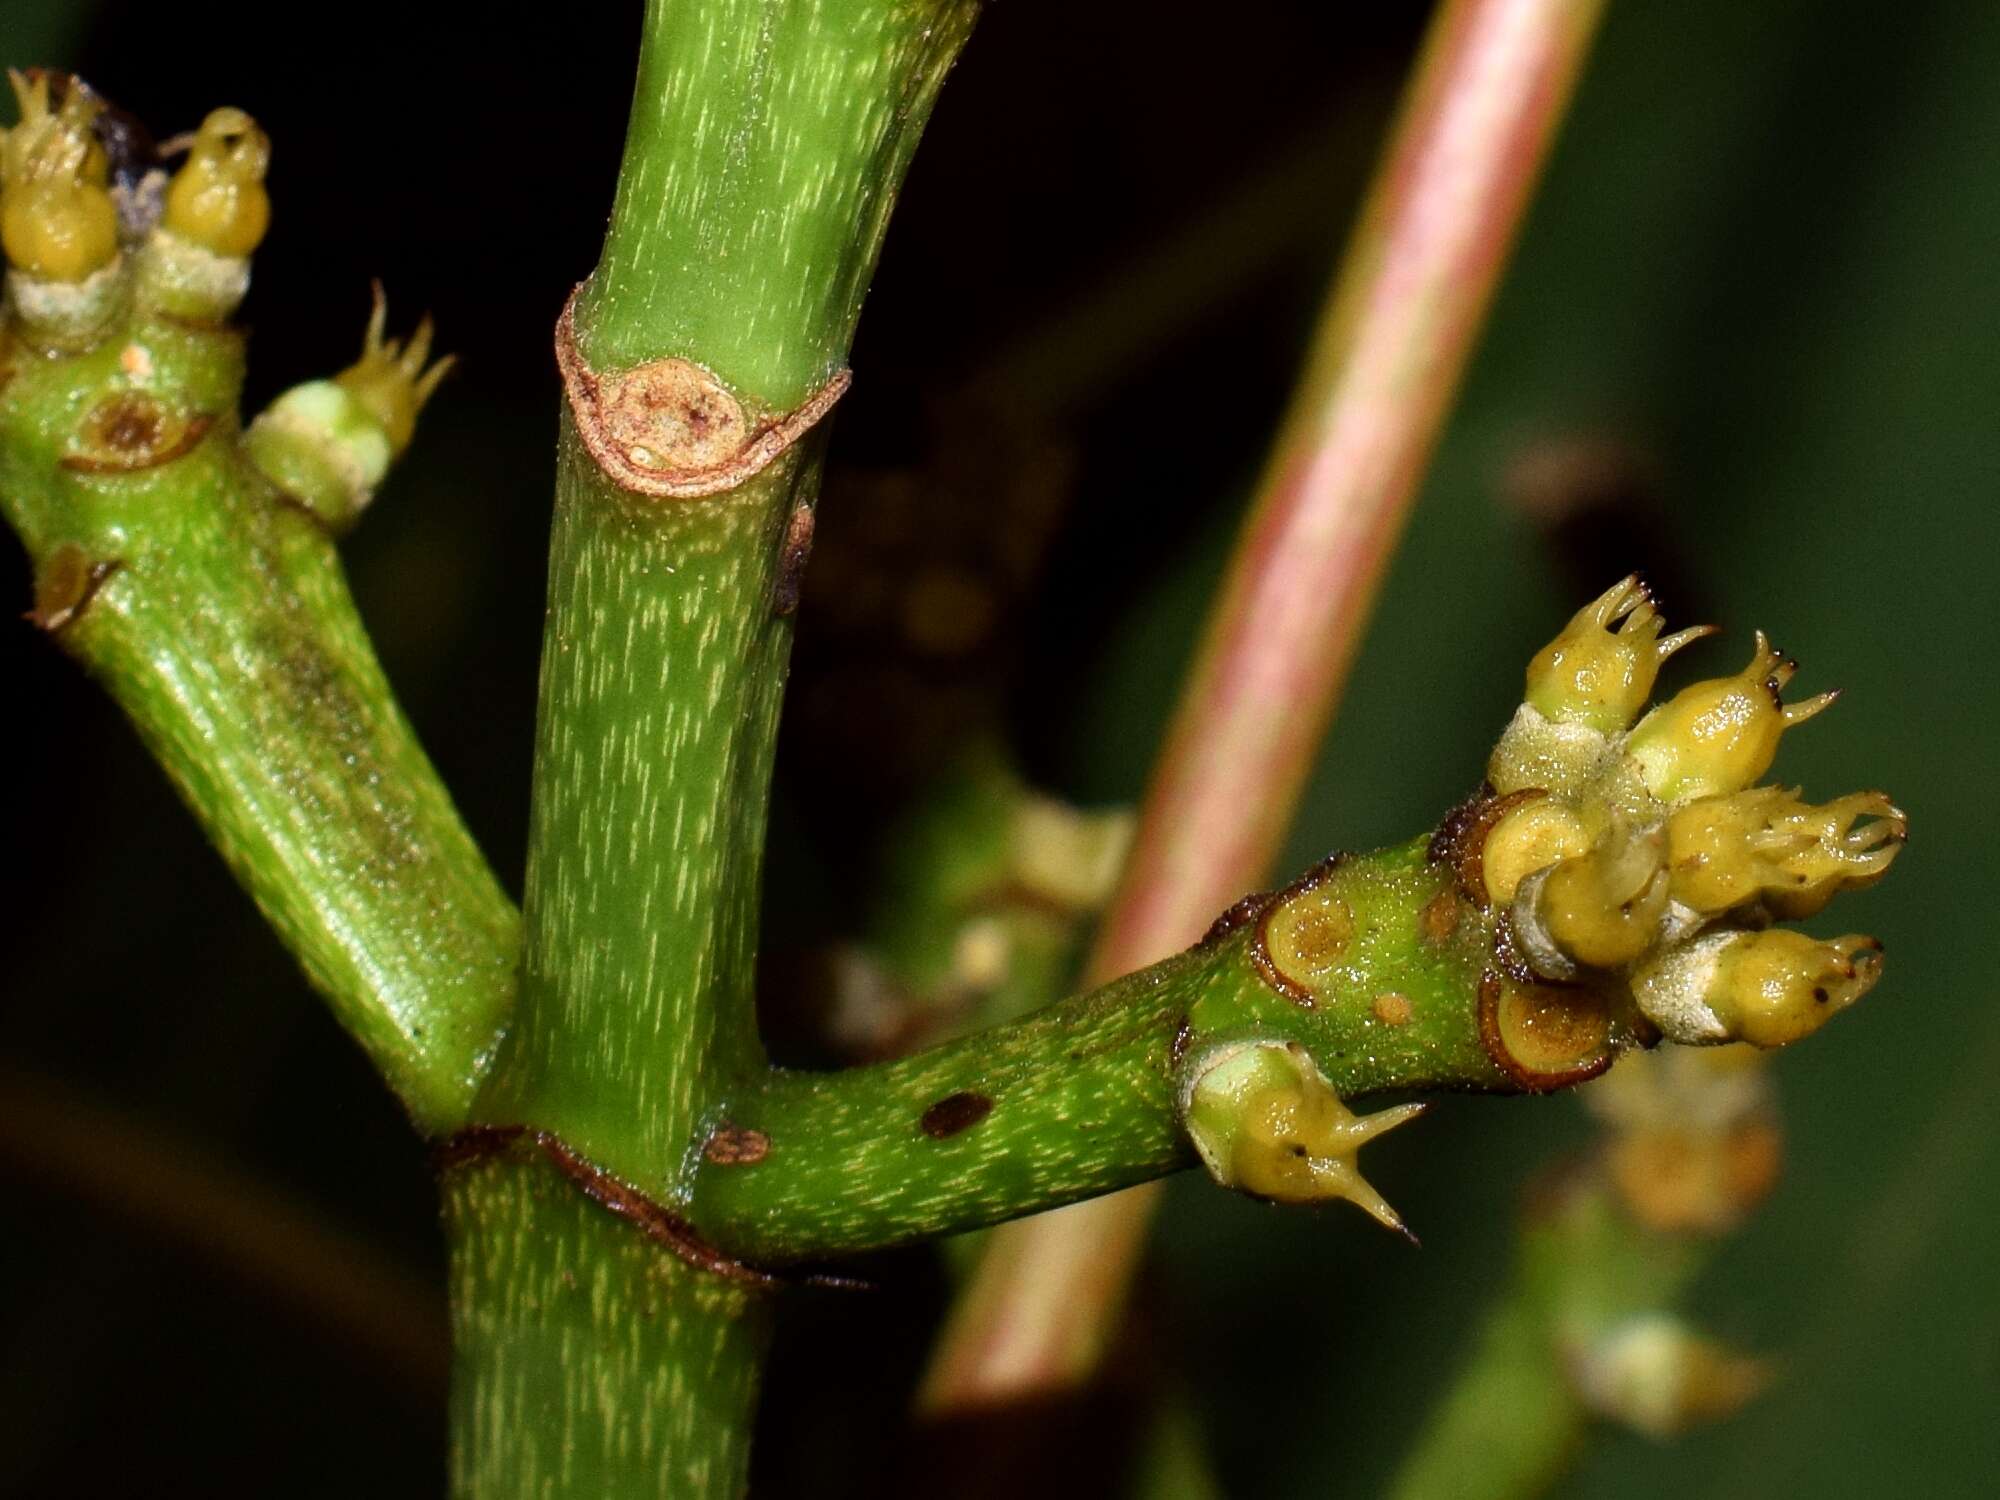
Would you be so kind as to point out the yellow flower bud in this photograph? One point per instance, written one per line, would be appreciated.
(57, 220)
(1264, 1120)
(1767, 988)
(217, 198)
(1719, 736)
(1598, 909)
(1660, 1377)
(329, 443)
(390, 380)
(1727, 850)
(1600, 670)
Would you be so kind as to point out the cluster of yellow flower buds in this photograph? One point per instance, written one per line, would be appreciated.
(1645, 856)
(80, 246)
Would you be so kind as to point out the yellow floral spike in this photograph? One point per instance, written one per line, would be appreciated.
(390, 379)
(1728, 850)
(1600, 670)
(1265, 1121)
(217, 198)
(1767, 988)
(1598, 909)
(1719, 736)
(57, 220)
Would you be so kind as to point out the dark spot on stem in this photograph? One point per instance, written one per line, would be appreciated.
(792, 563)
(1183, 1035)
(955, 1112)
(64, 586)
(125, 433)
(1438, 919)
(736, 1146)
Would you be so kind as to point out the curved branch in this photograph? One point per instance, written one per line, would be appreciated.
(216, 613)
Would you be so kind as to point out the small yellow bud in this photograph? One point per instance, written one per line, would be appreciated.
(1768, 988)
(1719, 736)
(1727, 850)
(57, 220)
(1065, 855)
(390, 380)
(1600, 670)
(1598, 909)
(1264, 1120)
(1659, 1376)
(217, 198)
(1532, 837)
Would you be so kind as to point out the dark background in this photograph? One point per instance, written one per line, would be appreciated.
(1752, 343)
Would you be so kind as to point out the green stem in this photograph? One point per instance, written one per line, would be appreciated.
(767, 141)
(1508, 1423)
(766, 144)
(662, 670)
(1082, 1097)
(590, 1360)
(217, 615)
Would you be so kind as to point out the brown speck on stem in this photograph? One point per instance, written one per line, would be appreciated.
(792, 562)
(64, 586)
(736, 1146)
(954, 1113)
(125, 433)
(1392, 1008)
(1438, 919)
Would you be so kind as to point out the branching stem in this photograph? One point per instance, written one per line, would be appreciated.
(1392, 344)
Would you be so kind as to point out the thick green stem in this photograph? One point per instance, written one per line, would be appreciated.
(216, 613)
(590, 1360)
(767, 142)
(662, 670)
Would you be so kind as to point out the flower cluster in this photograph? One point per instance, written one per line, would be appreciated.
(1646, 856)
(93, 224)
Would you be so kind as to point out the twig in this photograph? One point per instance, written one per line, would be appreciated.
(1493, 81)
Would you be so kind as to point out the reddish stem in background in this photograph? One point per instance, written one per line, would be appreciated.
(1492, 82)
